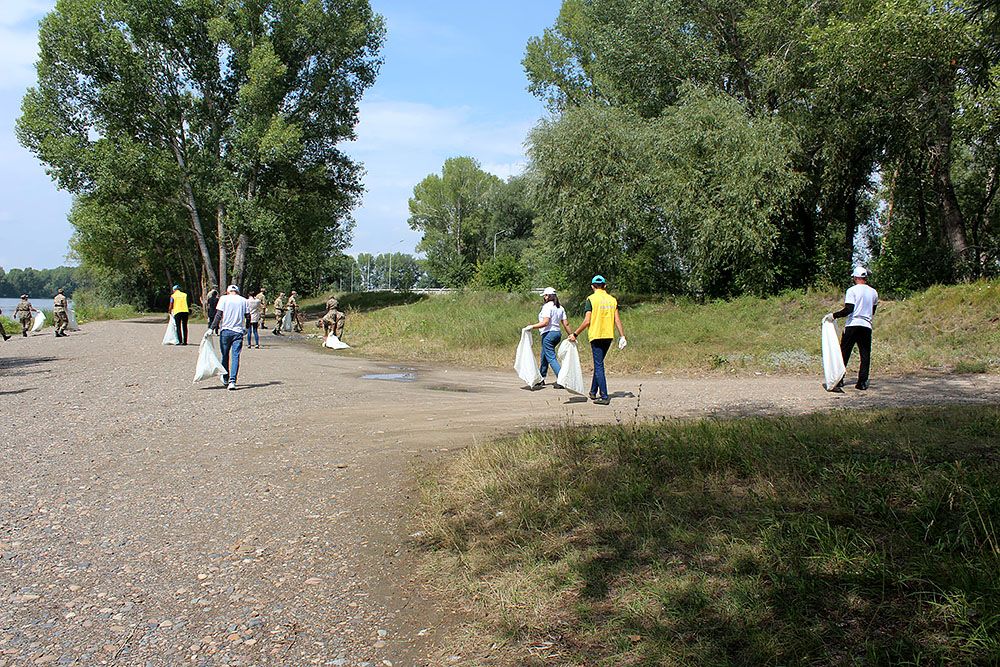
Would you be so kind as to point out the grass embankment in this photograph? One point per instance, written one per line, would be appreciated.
(944, 328)
(844, 538)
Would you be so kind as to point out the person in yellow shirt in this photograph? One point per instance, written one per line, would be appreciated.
(601, 319)
(180, 311)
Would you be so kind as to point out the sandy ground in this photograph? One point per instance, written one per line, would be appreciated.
(148, 521)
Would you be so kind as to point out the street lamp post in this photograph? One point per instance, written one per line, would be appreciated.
(502, 231)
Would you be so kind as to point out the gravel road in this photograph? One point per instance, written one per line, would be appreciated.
(148, 521)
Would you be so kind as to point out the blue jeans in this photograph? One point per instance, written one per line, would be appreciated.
(253, 330)
(231, 340)
(600, 348)
(549, 342)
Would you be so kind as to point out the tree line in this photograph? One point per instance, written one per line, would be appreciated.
(40, 283)
(728, 147)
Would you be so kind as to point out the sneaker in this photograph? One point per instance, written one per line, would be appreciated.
(257, 346)
(602, 401)
(861, 386)
(225, 379)
(592, 396)
(538, 385)
(6, 337)
(232, 386)
(557, 386)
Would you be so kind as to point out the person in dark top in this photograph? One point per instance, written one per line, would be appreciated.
(211, 303)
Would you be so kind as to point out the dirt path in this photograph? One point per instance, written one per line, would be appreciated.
(146, 521)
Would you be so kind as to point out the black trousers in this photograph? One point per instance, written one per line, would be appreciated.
(862, 337)
(181, 320)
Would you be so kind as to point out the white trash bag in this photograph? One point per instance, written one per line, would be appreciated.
(39, 322)
(286, 321)
(335, 343)
(170, 335)
(570, 373)
(209, 364)
(71, 316)
(833, 360)
(524, 361)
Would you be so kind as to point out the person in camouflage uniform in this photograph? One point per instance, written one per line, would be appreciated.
(333, 321)
(279, 313)
(263, 307)
(60, 312)
(23, 314)
(293, 305)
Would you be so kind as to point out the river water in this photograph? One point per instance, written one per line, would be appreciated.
(8, 305)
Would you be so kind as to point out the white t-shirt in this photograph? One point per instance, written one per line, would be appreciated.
(234, 312)
(555, 314)
(864, 299)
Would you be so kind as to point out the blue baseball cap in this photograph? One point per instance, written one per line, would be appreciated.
(177, 286)
(598, 280)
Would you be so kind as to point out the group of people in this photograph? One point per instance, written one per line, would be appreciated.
(600, 321)
(232, 316)
(24, 314)
(602, 318)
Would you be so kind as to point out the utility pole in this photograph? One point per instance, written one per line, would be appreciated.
(502, 231)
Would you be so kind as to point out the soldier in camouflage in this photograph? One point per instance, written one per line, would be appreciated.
(23, 314)
(60, 313)
(279, 313)
(333, 321)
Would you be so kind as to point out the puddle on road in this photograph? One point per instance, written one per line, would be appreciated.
(391, 377)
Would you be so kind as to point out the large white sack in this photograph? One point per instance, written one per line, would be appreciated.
(570, 373)
(209, 364)
(170, 335)
(833, 360)
(335, 343)
(524, 361)
(286, 321)
(39, 322)
(71, 316)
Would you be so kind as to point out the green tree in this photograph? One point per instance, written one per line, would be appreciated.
(451, 210)
(226, 115)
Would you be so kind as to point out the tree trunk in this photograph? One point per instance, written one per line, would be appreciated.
(220, 228)
(952, 220)
(239, 261)
(189, 202)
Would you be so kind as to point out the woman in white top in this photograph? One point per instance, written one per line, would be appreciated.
(254, 312)
(550, 318)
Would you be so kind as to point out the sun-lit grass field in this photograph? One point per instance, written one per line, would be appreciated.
(952, 329)
(843, 538)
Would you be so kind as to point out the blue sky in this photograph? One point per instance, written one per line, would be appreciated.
(452, 84)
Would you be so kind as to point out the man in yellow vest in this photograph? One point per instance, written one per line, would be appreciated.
(179, 310)
(602, 319)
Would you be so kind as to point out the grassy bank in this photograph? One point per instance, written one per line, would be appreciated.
(845, 538)
(944, 328)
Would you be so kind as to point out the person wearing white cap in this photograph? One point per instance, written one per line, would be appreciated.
(860, 304)
(550, 318)
(230, 322)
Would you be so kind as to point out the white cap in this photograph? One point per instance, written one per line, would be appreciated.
(860, 272)
(549, 291)
(233, 288)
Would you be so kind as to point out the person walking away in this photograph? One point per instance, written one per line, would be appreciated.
(279, 313)
(60, 314)
(3, 332)
(180, 311)
(230, 316)
(211, 305)
(551, 317)
(22, 313)
(601, 319)
(860, 304)
(333, 320)
(254, 313)
(293, 305)
(263, 308)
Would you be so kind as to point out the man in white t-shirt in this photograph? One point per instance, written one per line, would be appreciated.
(860, 304)
(230, 322)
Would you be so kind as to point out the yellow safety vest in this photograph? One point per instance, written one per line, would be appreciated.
(180, 302)
(603, 307)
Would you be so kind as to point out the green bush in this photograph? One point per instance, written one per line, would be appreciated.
(504, 273)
